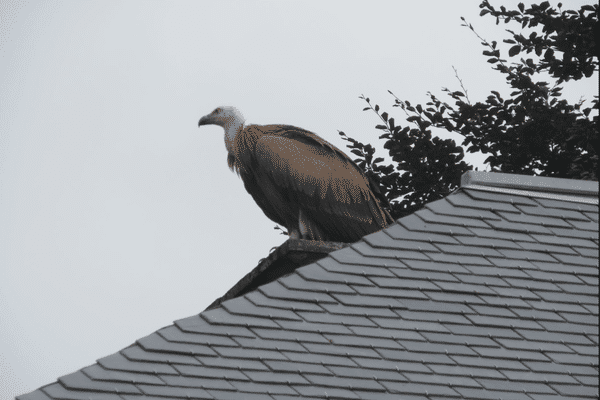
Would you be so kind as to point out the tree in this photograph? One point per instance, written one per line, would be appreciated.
(533, 132)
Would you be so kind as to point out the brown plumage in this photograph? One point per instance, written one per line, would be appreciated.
(300, 180)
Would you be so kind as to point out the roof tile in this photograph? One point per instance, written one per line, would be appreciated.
(281, 377)
(414, 223)
(326, 392)
(456, 220)
(276, 290)
(259, 299)
(299, 367)
(503, 235)
(35, 395)
(376, 374)
(79, 381)
(442, 379)
(564, 241)
(244, 364)
(436, 306)
(486, 320)
(488, 362)
(243, 306)
(118, 362)
(174, 334)
(437, 348)
(96, 372)
(472, 372)
(406, 324)
(400, 294)
(339, 349)
(509, 354)
(418, 388)
(321, 359)
(296, 282)
(528, 345)
(404, 283)
(210, 372)
(227, 395)
(525, 387)
(314, 327)
(382, 240)
(576, 390)
(400, 232)
(387, 333)
(435, 267)
(58, 391)
(292, 335)
(490, 331)
(459, 339)
(353, 340)
(392, 365)
(547, 248)
(348, 383)
(269, 344)
(242, 352)
(567, 205)
(316, 273)
(495, 197)
(361, 311)
(538, 314)
(432, 316)
(538, 377)
(196, 382)
(404, 355)
(462, 199)
(574, 233)
(368, 301)
(555, 337)
(559, 368)
(448, 207)
(199, 325)
(155, 342)
(577, 359)
(505, 301)
(259, 388)
(348, 259)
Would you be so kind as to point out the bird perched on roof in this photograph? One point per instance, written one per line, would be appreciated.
(300, 180)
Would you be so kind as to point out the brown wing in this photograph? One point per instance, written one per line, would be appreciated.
(293, 173)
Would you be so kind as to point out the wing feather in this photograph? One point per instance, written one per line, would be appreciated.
(288, 169)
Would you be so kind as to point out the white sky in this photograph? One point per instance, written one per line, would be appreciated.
(117, 214)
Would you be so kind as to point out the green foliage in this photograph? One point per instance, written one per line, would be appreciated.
(533, 132)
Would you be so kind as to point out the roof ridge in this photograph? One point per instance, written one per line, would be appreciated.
(571, 190)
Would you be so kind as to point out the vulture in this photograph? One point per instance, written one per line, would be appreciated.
(300, 180)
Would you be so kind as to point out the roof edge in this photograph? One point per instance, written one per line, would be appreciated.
(573, 190)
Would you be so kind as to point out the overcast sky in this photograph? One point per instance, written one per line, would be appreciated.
(118, 215)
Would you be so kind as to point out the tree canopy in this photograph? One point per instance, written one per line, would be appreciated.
(534, 131)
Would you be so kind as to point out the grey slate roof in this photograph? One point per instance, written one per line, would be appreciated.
(490, 293)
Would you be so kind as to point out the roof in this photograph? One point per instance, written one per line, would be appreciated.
(490, 293)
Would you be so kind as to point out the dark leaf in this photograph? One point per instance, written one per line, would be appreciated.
(513, 51)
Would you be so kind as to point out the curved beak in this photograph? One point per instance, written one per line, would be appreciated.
(204, 121)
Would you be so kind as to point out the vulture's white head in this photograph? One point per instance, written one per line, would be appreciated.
(227, 117)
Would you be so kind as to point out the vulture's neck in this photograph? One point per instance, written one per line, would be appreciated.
(232, 127)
